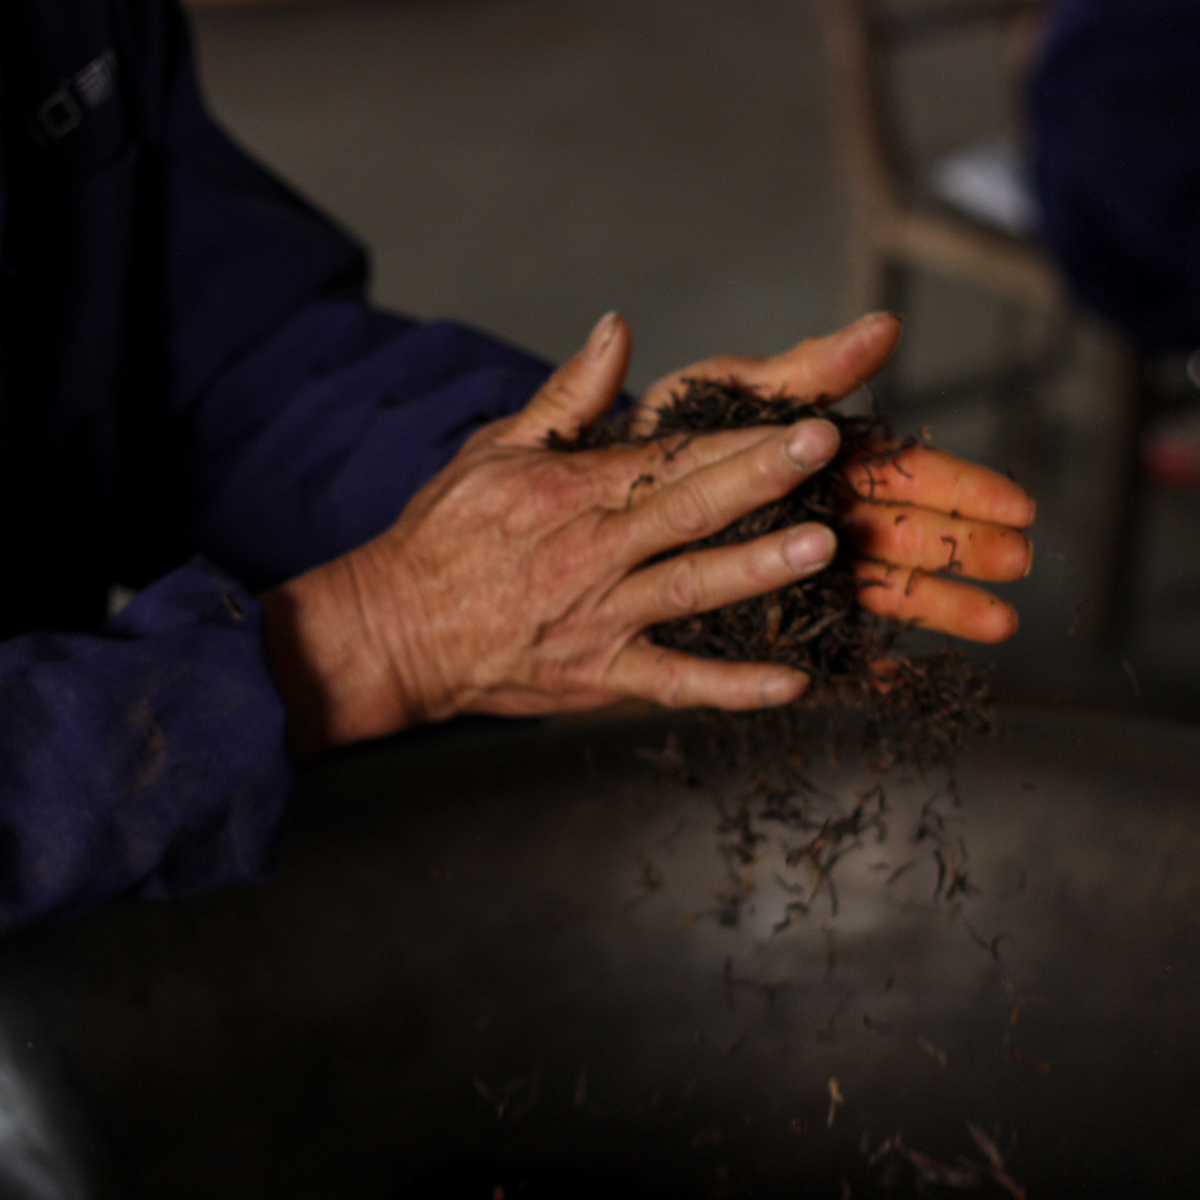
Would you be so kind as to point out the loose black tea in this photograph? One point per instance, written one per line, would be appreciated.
(917, 709)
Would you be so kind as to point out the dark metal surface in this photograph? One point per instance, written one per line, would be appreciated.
(494, 954)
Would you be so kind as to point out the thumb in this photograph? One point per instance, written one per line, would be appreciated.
(580, 390)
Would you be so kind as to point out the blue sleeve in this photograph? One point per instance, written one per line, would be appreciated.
(315, 441)
(1115, 115)
(283, 421)
(148, 758)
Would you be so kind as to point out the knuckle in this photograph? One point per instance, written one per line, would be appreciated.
(759, 565)
(910, 540)
(681, 591)
(882, 590)
(884, 604)
(561, 387)
(685, 511)
(554, 406)
(672, 684)
(545, 495)
(610, 537)
(771, 470)
(561, 395)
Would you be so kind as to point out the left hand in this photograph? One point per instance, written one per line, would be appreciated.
(926, 512)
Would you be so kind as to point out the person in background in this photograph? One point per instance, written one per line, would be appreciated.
(338, 523)
(1114, 109)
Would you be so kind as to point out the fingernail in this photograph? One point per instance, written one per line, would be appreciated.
(878, 316)
(869, 323)
(813, 443)
(865, 328)
(781, 687)
(1029, 564)
(809, 547)
(601, 335)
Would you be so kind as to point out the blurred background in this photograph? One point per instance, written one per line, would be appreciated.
(734, 175)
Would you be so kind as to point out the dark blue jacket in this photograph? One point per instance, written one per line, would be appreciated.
(1115, 113)
(187, 368)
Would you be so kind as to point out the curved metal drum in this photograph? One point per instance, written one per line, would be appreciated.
(514, 956)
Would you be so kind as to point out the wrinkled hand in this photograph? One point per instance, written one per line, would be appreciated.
(515, 581)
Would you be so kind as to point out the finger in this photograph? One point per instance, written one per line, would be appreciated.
(632, 474)
(707, 579)
(829, 366)
(580, 390)
(943, 605)
(678, 680)
(711, 498)
(935, 541)
(934, 479)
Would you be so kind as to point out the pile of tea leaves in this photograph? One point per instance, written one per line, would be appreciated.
(916, 709)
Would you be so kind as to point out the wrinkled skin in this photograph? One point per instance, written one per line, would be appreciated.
(515, 581)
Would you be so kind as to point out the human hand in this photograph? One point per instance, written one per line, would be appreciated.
(925, 511)
(515, 581)
(922, 512)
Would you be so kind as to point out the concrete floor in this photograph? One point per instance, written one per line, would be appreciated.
(525, 165)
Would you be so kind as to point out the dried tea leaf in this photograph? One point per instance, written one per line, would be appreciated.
(916, 709)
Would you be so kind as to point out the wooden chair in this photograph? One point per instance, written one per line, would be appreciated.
(895, 225)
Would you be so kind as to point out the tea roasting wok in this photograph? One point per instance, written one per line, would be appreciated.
(511, 959)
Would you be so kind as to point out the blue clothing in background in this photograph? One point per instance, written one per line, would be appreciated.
(195, 401)
(1115, 113)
